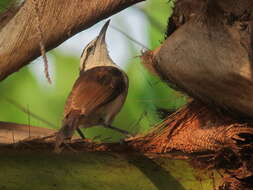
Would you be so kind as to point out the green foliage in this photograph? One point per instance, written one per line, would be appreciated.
(158, 12)
(5, 4)
(40, 98)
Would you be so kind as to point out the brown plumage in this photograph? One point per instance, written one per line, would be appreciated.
(95, 88)
(97, 95)
(93, 93)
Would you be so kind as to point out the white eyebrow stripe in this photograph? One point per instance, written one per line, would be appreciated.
(82, 60)
(83, 52)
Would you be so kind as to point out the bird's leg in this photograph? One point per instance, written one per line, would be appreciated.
(80, 133)
(118, 130)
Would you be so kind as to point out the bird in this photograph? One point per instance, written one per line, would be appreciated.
(97, 95)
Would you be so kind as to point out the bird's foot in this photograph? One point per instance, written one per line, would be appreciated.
(59, 145)
(126, 133)
(80, 133)
(60, 139)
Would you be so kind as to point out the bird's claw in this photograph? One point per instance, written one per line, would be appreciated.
(129, 135)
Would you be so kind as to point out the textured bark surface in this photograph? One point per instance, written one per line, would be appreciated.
(24, 169)
(216, 66)
(208, 56)
(11, 132)
(58, 20)
(207, 138)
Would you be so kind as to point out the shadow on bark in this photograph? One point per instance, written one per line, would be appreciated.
(160, 177)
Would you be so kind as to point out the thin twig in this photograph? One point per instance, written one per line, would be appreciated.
(151, 19)
(29, 122)
(13, 138)
(41, 39)
(70, 148)
(213, 179)
(129, 37)
(23, 109)
(137, 122)
(117, 129)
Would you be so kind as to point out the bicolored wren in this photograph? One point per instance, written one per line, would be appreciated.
(98, 94)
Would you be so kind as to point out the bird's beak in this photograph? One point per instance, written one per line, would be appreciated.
(102, 34)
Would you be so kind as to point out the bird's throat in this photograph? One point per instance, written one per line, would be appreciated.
(90, 65)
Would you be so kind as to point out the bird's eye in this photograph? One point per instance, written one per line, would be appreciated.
(89, 49)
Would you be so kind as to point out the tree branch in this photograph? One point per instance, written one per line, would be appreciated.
(12, 133)
(19, 42)
(196, 133)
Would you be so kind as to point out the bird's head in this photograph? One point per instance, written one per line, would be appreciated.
(96, 53)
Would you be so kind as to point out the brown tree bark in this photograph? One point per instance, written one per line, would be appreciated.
(50, 22)
(208, 55)
(209, 140)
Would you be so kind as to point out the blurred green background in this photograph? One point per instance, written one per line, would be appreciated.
(146, 92)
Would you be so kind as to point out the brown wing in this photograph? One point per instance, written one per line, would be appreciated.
(94, 88)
